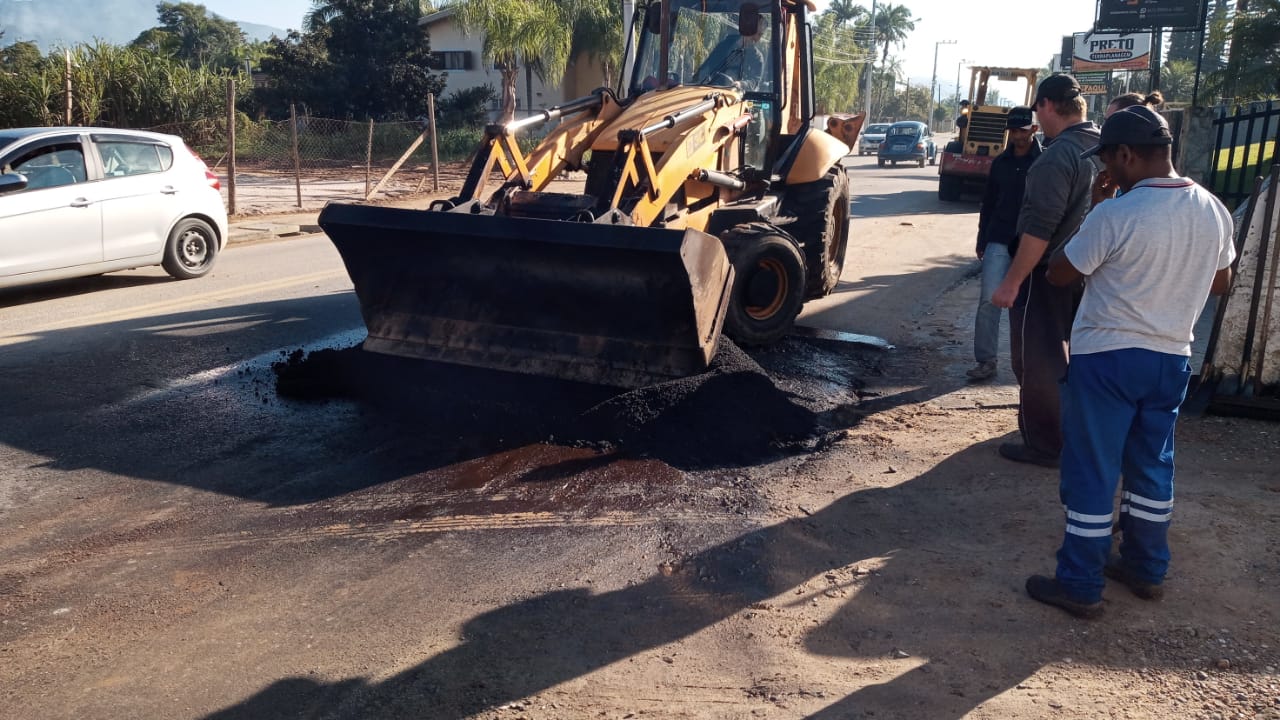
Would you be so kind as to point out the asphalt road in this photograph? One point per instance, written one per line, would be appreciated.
(179, 542)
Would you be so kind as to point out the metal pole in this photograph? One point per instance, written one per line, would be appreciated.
(1204, 20)
(293, 141)
(871, 62)
(1156, 46)
(231, 146)
(67, 53)
(368, 159)
(435, 149)
(934, 82)
(629, 49)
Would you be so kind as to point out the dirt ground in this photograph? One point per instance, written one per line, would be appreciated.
(871, 568)
(265, 193)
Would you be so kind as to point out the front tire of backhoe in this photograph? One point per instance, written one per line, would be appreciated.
(821, 226)
(768, 285)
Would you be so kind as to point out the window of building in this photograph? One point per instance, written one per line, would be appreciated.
(451, 60)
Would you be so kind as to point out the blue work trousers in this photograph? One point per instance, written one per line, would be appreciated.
(1118, 413)
(986, 325)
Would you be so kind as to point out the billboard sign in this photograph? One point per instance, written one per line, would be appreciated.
(1148, 14)
(1105, 51)
(1096, 82)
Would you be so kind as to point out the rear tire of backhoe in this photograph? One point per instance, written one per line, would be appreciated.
(821, 226)
(949, 188)
(768, 285)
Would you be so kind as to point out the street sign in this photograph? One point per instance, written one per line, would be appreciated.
(1068, 50)
(1094, 83)
(1120, 15)
(1105, 51)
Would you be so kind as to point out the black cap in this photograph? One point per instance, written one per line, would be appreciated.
(1057, 88)
(1137, 125)
(1020, 118)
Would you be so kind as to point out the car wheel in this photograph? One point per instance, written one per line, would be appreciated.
(881, 163)
(191, 250)
(921, 163)
(768, 284)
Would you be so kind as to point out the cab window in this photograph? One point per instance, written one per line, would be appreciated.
(50, 165)
(122, 159)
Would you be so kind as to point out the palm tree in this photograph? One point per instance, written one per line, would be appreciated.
(892, 25)
(597, 33)
(323, 12)
(533, 32)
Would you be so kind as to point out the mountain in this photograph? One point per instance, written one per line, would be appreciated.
(58, 23)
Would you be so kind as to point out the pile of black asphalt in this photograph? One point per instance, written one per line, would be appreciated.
(733, 414)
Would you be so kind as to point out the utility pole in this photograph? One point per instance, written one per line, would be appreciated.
(871, 62)
(958, 66)
(933, 84)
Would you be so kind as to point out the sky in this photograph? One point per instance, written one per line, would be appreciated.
(986, 33)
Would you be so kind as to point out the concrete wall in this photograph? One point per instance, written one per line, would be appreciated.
(1195, 141)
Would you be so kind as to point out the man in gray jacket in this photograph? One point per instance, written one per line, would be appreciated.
(1057, 197)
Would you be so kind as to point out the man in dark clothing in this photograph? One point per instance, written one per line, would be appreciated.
(998, 232)
(1057, 197)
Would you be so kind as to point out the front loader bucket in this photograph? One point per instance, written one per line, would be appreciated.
(607, 304)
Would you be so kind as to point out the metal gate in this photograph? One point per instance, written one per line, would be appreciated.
(1244, 148)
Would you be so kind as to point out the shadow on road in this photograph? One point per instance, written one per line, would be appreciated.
(13, 297)
(527, 647)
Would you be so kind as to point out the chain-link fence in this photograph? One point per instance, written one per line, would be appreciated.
(304, 162)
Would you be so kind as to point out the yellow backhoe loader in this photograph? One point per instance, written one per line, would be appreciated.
(708, 206)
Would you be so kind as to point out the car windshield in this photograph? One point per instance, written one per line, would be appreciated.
(905, 130)
(877, 129)
(706, 48)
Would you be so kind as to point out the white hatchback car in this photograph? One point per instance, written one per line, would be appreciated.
(84, 201)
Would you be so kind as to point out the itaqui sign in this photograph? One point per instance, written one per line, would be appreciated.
(1103, 51)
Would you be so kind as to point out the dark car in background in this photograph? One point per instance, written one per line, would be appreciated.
(908, 141)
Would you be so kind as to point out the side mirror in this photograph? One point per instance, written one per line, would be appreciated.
(749, 20)
(12, 182)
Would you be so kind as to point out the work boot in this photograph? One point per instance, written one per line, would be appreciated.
(1118, 571)
(1018, 452)
(1048, 591)
(981, 371)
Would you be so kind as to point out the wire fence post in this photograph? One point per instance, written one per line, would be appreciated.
(435, 150)
(231, 146)
(368, 158)
(69, 118)
(297, 161)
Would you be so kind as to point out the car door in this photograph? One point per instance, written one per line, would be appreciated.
(140, 196)
(56, 221)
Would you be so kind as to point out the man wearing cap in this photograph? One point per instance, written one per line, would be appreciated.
(1057, 196)
(1151, 258)
(998, 232)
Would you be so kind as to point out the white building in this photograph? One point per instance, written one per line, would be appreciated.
(461, 58)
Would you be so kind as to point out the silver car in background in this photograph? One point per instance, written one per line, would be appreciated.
(84, 201)
(872, 136)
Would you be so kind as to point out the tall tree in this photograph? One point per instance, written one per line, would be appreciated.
(892, 25)
(533, 32)
(1253, 71)
(597, 34)
(188, 32)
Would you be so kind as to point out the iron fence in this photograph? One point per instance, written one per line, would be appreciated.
(1244, 147)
